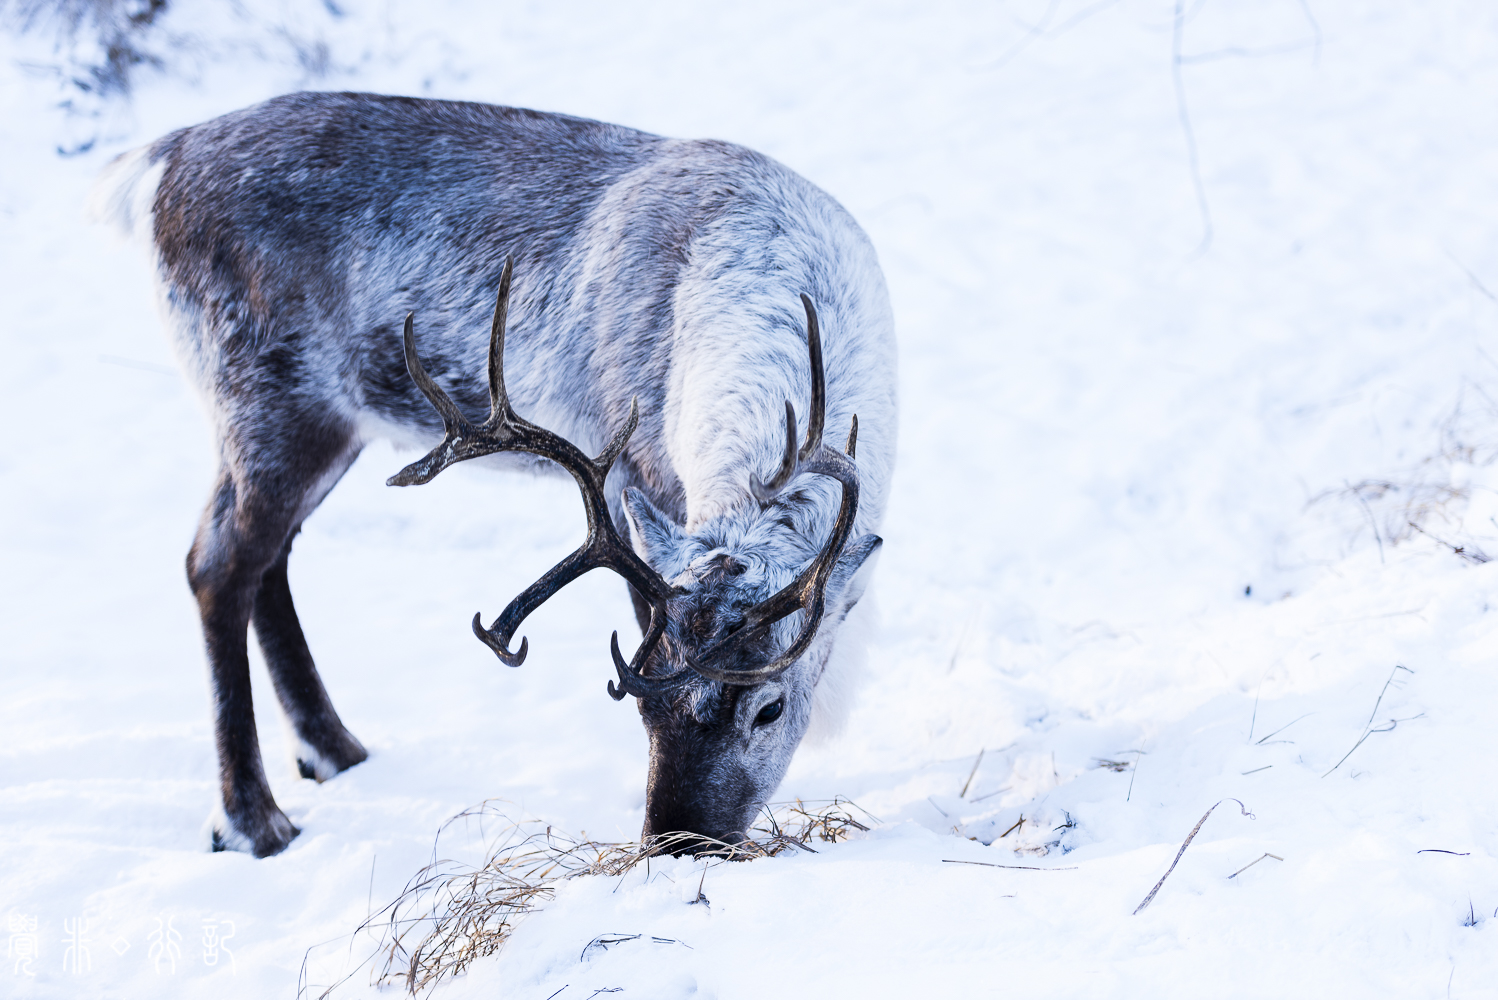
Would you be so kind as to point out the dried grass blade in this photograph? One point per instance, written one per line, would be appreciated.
(1189, 837)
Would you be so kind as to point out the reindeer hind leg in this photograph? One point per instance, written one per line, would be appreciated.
(269, 481)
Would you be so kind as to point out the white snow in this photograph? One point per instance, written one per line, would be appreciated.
(1117, 416)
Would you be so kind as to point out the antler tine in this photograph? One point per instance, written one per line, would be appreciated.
(497, 636)
(507, 431)
(765, 492)
(805, 593)
(499, 397)
(632, 679)
(613, 448)
(462, 439)
(440, 400)
(815, 421)
(602, 549)
(818, 415)
(455, 426)
(808, 591)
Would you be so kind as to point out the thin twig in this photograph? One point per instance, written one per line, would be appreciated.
(1286, 726)
(700, 883)
(1383, 691)
(1189, 837)
(1255, 717)
(1372, 522)
(1079, 17)
(1370, 618)
(996, 791)
(1137, 754)
(1316, 27)
(961, 638)
(1185, 117)
(1368, 729)
(1475, 556)
(1476, 281)
(971, 774)
(1255, 861)
(1035, 31)
(1393, 725)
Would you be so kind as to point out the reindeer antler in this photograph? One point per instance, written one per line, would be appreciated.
(504, 430)
(808, 592)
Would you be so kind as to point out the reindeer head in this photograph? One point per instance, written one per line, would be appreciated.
(727, 694)
(724, 676)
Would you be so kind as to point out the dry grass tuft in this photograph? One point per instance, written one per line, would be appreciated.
(1444, 499)
(450, 915)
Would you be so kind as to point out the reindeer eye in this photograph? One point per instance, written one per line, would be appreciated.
(770, 712)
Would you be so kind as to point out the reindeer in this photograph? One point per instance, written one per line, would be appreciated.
(663, 299)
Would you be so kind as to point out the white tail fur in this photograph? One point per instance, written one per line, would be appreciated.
(124, 193)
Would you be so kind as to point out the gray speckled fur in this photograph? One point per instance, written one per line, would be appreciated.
(291, 239)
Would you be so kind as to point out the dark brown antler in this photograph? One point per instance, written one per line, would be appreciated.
(506, 431)
(808, 592)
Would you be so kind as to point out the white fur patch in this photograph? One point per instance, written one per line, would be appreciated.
(124, 193)
(845, 673)
(218, 827)
(304, 753)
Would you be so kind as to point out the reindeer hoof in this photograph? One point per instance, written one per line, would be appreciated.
(330, 756)
(270, 834)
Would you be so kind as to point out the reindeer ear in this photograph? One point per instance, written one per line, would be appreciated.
(656, 538)
(853, 570)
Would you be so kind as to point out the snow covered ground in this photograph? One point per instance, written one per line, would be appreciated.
(1187, 345)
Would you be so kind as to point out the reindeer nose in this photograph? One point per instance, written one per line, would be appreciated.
(663, 817)
(697, 828)
(670, 809)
